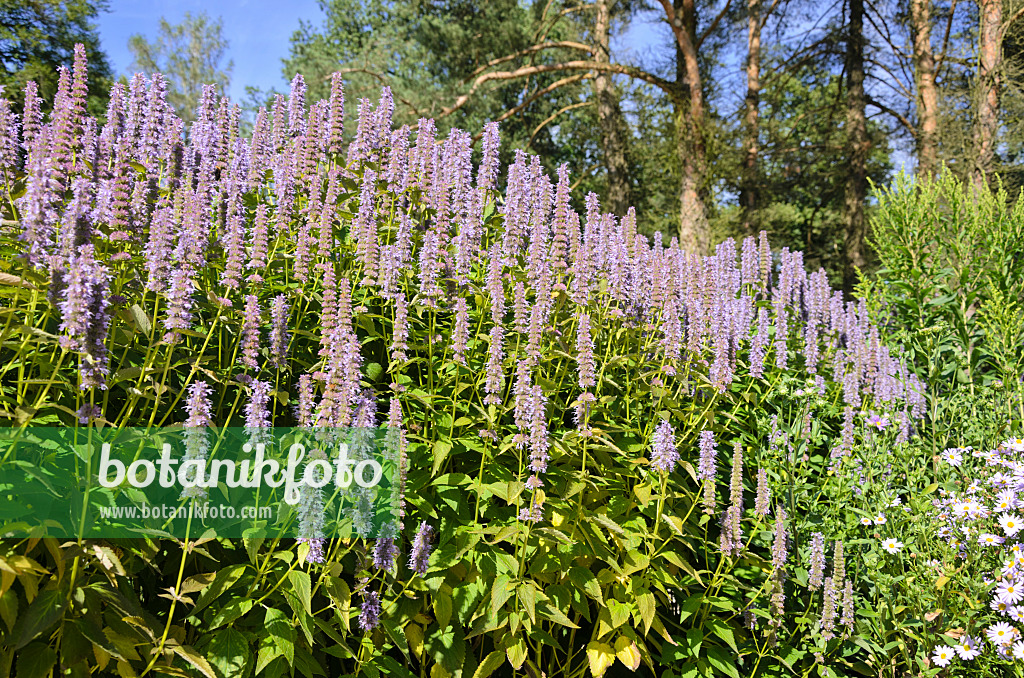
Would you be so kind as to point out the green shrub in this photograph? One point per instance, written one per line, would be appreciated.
(553, 384)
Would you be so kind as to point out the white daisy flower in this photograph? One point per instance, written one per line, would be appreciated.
(1000, 633)
(968, 648)
(943, 655)
(892, 545)
(1010, 523)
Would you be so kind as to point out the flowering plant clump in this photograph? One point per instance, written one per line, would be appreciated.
(564, 392)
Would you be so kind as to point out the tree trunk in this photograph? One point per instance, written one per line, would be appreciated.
(610, 120)
(694, 233)
(856, 127)
(927, 94)
(990, 55)
(748, 186)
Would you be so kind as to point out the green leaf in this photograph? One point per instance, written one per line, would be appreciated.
(189, 654)
(501, 591)
(228, 654)
(516, 653)
(608, 524)
(41, 614)
(277, 639)
(442, 604)
(235, 608)
(721, 660)
(302, 586)
(723, 631)
(9, 608)
(528, 596)
(619, 613)
(447, 647)
(600, 656)
(490, 664)
(552, 612)
(441, 450)
(645, 604)
(222, 581)
(583, 578)
(36, 660)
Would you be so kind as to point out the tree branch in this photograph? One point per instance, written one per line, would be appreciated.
(702, 38)
(768, 13)
(526, 71)
(563, 109)
(945, 38)
(566, 44)
(903, 120)
(536, 95)
(1016, 15)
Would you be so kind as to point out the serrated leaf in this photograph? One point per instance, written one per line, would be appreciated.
(189, 654)
(441, 450)
(277, 639)
(723, 631)
(528, 596)
(228, 653)
(9, 608)
(584, 579)
(490, 664)
(302, 587)
(600, 656)
(618, 613)
(645, 603)
(627, 652)
(42, 613)
(232, 610)
(608, 524)
(414, 634)
(552, 612)
(516, 653)
(501, 591)
(442, 604)
(223, 580)
(36, 661)
(721, 660)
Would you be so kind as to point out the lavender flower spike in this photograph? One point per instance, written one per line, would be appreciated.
(421, 548)
(369, 613)
(664, 454)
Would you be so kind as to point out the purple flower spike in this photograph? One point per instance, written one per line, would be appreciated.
(316, 549)
(421, 549)
(251, 332)
(85, 319)
(279, 332)
(664, 454)
(369, 613)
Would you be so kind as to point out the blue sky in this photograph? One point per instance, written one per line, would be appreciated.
(258, 32)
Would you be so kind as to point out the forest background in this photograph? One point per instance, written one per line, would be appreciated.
(751, 114)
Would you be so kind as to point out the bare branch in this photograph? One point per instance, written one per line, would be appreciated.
(1018, 14)
(711, 28)
(902, 88)
(536, 95)
(768, 13)
(527, 71)
(903, 120)
(565, 44)
(583, 175)
(945, 38)
(563, 109)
